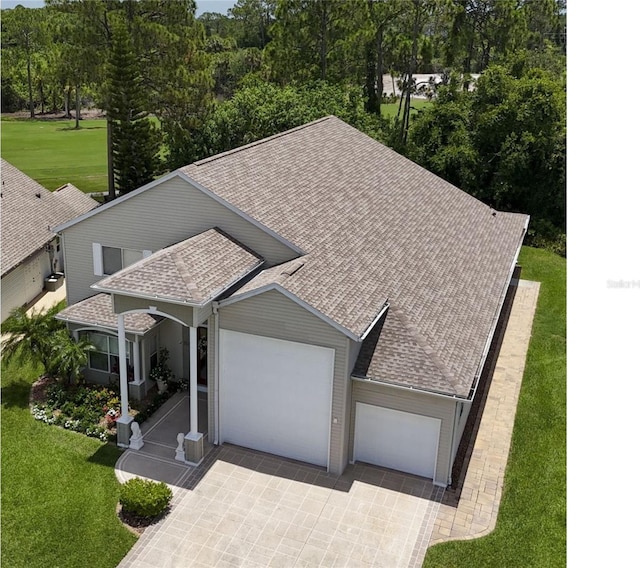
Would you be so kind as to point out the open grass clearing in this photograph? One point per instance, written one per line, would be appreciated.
(53, 152)
(59, 490)
(531, 526)
(390, 110)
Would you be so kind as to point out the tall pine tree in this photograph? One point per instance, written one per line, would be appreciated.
(135, 139)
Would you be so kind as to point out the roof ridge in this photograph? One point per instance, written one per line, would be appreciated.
(427, 349)
(185, 274)
(258, 142)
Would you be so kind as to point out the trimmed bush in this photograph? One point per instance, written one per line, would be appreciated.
(144, 497)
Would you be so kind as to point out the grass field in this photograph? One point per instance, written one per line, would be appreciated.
(53, 153)
(531, 526)
(59, 490)
(390, 110)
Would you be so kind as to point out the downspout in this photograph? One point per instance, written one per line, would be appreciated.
(216, 373)
(453, 440)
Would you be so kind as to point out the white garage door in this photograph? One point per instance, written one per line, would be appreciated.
(13, 291)
(275, 396)
(33, 278)
(397, 440)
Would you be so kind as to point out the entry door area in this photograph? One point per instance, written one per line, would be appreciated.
(275, 396)
(397, 440)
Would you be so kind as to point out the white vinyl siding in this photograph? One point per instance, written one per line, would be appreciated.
(154, 220)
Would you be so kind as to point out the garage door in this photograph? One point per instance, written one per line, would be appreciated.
(397, 440)
(275, 396)
(33, 278)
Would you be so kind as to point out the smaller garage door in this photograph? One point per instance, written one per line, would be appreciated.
(397, 440)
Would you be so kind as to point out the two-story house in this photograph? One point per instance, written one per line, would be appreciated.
(335, 300)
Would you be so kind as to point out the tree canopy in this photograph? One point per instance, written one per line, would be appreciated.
(220, 80)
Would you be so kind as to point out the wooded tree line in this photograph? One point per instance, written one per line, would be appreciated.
(219, 81)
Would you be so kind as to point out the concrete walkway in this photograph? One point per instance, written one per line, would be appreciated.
(49, 299)
(472, 510)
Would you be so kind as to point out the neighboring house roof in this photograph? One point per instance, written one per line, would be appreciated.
(98, 311)
(377, 228)
(29, 211)
(193, 271)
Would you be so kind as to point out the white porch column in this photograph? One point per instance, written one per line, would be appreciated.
(122, 359)
(123, 424)
(194, 440)
(193, 380)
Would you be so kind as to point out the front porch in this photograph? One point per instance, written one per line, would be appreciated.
(157, 457)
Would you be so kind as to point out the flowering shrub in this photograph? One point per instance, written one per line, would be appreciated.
(92, 410)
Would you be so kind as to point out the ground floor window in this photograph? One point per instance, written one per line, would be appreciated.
(153, 352)
(106, 356)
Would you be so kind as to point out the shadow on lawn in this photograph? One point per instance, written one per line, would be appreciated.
(71, 128)
(106, 454)
(15, 395)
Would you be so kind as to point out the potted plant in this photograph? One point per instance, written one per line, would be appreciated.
(161, 373)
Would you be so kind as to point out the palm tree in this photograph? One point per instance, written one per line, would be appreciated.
(69, 357)
(30, 336)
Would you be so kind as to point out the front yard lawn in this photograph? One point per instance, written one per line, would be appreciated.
(531, 526)
(59, 490)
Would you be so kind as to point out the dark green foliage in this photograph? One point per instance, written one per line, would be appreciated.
(30, 337)
(504, 143)
(144, 497)
(263, 109)
(136, 140)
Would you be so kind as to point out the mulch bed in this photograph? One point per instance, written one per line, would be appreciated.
(39, 390)
(135, 523)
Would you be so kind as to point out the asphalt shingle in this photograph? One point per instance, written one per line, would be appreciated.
(98, 311)
(193, 271)
(377, 228)
(29, 211)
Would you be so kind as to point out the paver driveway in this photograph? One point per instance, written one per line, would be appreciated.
(244, 508)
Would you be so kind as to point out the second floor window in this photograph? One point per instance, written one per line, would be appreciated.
(109, 260)
(114, 259)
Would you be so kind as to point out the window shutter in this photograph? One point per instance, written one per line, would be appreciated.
(97, 259)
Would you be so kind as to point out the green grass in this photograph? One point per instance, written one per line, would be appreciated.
(53, 153)
(531, 525)
(390, 110)
(59, 490)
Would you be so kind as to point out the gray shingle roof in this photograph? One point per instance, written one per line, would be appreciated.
(98, 311)
(193, 271)
(376, 227)
(29, 211)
